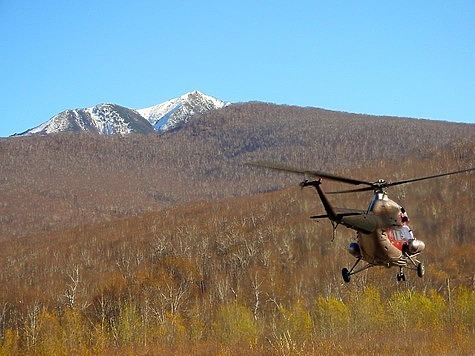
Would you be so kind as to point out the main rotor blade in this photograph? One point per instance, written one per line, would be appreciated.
(429, 177)
(382, 184)
(290, 169)
(365, 189)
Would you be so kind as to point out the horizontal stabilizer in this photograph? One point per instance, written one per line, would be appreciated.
(319, 216)
(340, 214)
(349, 214)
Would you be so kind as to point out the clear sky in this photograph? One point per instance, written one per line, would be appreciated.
(401, 58)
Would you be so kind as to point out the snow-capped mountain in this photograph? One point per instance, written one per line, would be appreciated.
(105, 119)
(174, 112)
(108, 119)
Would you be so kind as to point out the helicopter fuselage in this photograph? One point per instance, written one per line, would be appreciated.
(383, 237)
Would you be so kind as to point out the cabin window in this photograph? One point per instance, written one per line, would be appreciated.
(398, 236)
(406, 233)
(403, 234)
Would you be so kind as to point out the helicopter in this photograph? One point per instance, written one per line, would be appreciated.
(383, 236)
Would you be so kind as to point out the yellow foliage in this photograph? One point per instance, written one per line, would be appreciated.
(10, 344)
(367, 310)
(51, 335)
(425, 310)
(235, 324)
(128, 324)
(398, 310)
(463, 306)
(99, 339)
(197, 328)
(296, 321)
(75, 330)
(172, 330)
(332, 316)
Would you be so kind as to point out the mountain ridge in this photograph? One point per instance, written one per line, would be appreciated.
(110, 118)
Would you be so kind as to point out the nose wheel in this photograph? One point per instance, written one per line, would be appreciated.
(401, 276)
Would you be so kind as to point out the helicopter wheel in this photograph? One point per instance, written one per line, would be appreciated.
(421, 270)
(401, 277)
(346, 274)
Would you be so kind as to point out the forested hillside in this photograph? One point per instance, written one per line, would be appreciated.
(169, 244)
(247, 274)
(49, 183)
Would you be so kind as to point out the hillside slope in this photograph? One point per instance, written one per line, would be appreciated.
(247, 275)
(141, 244)
(69, 179)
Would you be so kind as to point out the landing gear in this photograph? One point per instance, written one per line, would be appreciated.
(346, 274)
(421, 269)
(414, 265)
(401, 276)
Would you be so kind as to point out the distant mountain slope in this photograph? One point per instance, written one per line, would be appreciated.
(314, 137)
(71, 179)
(109, 119)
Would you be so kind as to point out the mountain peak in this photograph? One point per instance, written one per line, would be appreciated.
(174, 112)
(109, 118)
(192, 93)
(104, 119)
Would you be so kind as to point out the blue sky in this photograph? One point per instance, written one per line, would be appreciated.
(401, 58)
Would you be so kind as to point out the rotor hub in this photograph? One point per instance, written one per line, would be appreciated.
(380, 185)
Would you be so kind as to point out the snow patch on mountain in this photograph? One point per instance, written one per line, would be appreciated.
(107, 121)
(55, 124)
